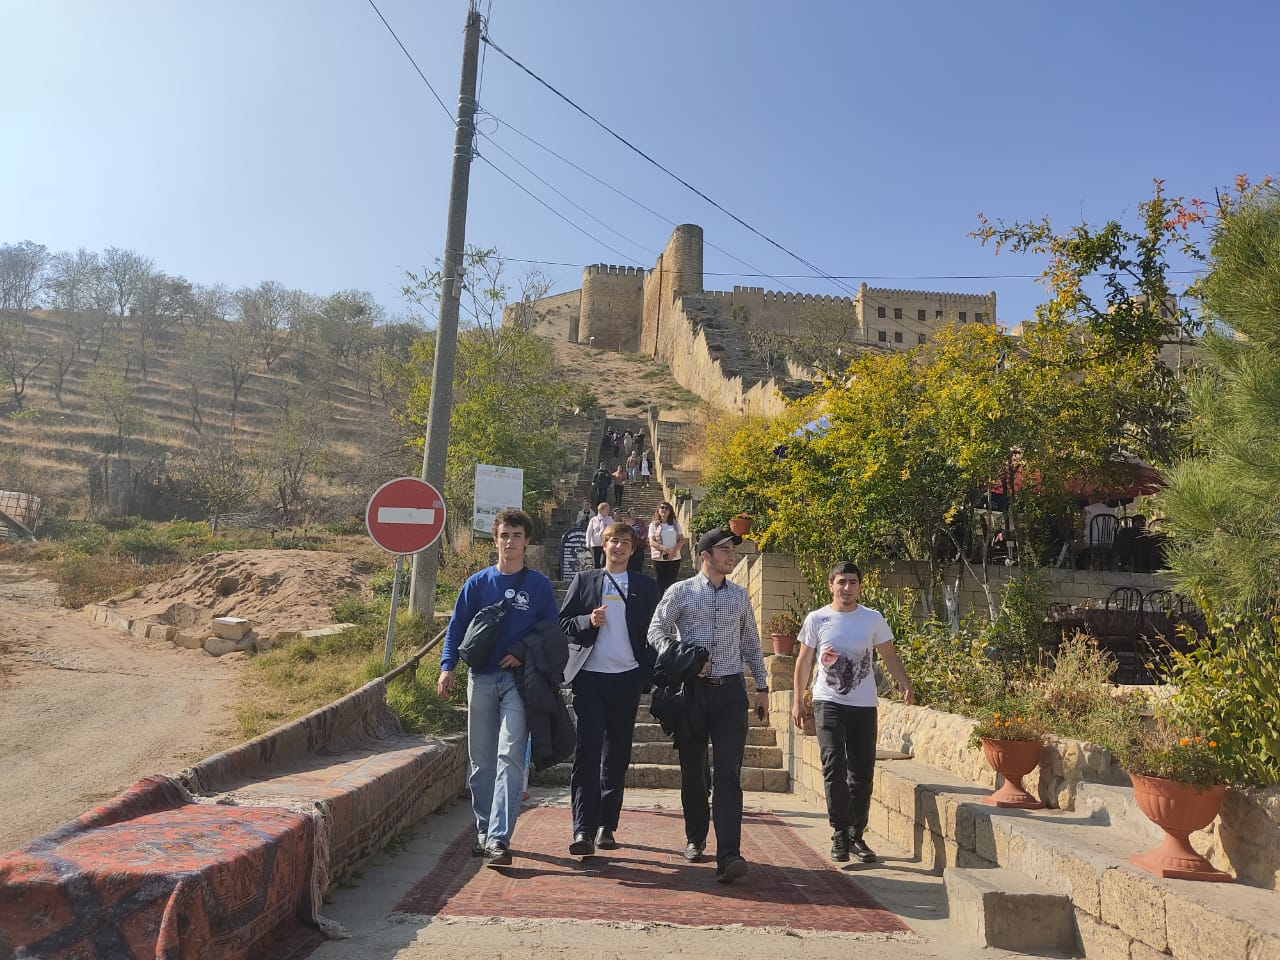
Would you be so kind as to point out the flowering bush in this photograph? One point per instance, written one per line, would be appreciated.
(1009, 721)
(1164, 752)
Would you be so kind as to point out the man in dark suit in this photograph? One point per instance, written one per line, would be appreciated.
(608, 611)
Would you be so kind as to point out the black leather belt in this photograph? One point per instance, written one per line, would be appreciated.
(717, 681)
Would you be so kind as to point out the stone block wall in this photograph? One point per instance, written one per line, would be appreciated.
(612, 300)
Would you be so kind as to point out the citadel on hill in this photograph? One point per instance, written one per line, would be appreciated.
(704, 335)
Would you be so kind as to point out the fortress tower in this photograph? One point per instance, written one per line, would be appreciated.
(609, 317)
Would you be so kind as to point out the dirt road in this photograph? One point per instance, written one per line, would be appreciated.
(85, 710)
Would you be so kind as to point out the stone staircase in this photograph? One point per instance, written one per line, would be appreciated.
(654, 762)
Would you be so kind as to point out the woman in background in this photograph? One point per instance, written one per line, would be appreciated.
(665, 542)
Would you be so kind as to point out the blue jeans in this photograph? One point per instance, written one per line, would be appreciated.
(496, 735)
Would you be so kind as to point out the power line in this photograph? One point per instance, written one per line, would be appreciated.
(447, 112)
(626, 196)
(562, 195)
(523, 189)
(630, 146)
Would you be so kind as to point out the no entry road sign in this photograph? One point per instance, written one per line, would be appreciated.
(405, 515)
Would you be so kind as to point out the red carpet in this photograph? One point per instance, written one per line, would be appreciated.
(149, 874)
(648, 880)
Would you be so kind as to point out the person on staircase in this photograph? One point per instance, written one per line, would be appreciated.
(666, 540)
(646, 472)
(608, 610)
(619, 477)
(600, 484)
(596, 527)
(711, 612)
(841, 638)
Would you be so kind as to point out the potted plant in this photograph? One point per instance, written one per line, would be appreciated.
(740, 524)
(782, 628)
(1011, 740)
(1179, 780)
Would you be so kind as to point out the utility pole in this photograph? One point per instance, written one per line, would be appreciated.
(422, 591)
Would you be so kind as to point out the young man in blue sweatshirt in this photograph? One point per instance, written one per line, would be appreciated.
(496, 726)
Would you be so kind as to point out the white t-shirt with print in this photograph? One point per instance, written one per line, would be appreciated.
(843, 644)
(612, 653)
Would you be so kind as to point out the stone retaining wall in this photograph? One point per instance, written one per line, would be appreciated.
(1243, 840)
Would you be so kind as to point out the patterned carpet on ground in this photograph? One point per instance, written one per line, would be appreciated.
(648, 880)
(150, 874)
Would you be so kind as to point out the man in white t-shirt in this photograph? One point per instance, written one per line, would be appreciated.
(841, 638)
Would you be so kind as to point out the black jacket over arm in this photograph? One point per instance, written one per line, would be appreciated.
(586, 592)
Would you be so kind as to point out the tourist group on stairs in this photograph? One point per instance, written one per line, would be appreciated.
(616, 632)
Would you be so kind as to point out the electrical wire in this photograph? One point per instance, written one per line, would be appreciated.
(406, 52)
(523, 189)
(631, 146)
(562, 195)
(757, 272)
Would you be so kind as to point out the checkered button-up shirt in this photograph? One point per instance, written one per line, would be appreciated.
(718, 618)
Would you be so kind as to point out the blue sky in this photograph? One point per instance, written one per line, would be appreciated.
(291, 140)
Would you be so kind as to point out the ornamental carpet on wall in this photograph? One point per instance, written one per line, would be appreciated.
(648, 880)
(151, 874)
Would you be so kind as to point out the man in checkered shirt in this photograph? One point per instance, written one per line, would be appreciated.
(709, 611)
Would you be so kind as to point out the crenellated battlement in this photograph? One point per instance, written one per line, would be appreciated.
(930, 294)
(612, 269)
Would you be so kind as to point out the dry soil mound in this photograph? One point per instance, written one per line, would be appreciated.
(276, 589)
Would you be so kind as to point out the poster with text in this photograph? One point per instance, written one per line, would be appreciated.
(496, 489)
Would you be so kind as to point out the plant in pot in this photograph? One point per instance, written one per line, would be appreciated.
(1179, 780)
(782, 628)
(1011, 740)
(740, 524)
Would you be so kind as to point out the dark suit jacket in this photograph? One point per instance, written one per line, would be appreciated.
(585, 594)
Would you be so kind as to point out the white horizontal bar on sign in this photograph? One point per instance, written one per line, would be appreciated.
(406, 515)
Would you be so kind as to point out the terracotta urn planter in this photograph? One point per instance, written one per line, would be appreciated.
(1179, 809)
(1013, 760)
(740, 525)
(784, 644)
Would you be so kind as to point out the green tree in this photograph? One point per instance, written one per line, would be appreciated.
(508, 396)
(1220, 505)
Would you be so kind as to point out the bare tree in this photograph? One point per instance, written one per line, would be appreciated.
(224, 476)
(22, 274)
(231, 352)
(125, 272)
(266, 311)
(162, 302)
(294, 447)
(115, 398)
(21, 352)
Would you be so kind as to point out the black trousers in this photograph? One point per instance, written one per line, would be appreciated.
(665, 572)
(617, 493)
(597, 557)
(847, 745)
(605, 705)
(725, 724)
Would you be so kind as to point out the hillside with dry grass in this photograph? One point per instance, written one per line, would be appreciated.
(203, 414)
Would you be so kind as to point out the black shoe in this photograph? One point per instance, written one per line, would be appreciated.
(734, 868)
(858, 847)
(840, 845)
(496, 854)
(605, 840)
(581, 846)
(477, 848)
(693, 852)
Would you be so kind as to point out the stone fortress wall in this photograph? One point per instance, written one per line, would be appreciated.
(702, 335)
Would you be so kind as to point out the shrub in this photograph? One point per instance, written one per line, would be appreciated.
(1010, 717)
(1161, 751)
(1075, 697)
(1231, 687)
(145, 545)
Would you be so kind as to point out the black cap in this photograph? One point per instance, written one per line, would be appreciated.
(716, 537)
